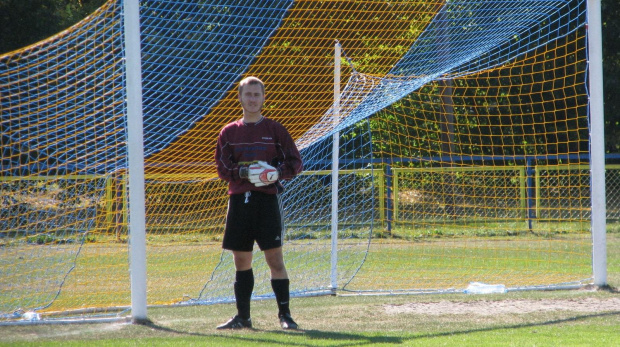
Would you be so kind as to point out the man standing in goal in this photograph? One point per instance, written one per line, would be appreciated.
(252, 155)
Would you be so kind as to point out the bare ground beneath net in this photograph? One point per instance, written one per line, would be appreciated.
(485, 307)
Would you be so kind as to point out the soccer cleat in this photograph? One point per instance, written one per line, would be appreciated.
(236, 322)
(287, 322)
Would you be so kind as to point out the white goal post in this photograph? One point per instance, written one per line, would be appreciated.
(597, 143)
(335, 169)
(137, 211)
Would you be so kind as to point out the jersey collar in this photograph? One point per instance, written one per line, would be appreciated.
(255, 123)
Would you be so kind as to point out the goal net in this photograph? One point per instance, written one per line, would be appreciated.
(463, 150)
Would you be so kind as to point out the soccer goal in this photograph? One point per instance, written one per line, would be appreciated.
(444, 143)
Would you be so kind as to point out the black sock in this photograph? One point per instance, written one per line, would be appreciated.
(281, 290)
(244, 285)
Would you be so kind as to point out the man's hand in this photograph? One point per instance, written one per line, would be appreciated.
(262, 174)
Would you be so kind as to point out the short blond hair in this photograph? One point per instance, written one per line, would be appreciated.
(251, 80)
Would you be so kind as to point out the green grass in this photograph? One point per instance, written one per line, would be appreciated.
(348, 321)
(100, 277)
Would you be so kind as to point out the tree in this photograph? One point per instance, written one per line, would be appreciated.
(24, 22)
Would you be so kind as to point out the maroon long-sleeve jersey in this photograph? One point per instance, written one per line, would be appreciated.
(241, 143)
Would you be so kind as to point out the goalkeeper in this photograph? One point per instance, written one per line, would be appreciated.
(253, 154)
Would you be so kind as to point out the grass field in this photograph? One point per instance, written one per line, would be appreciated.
(179, 269)
(584, 317)
(364, 321)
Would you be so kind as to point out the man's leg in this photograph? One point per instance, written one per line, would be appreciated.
(280, 285)
(244, 285)
(244, 282)
(275, 260)
(279, 279)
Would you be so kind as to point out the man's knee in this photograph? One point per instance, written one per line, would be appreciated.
(243, 260)
(277, 266)
(275, 259)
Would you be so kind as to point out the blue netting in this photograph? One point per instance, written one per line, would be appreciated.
(193, 54)
(464, 38)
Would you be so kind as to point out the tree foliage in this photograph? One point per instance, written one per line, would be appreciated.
(24, 22)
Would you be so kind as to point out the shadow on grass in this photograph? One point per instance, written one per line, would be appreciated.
(348, 339)
(523, 325)
(343, 339)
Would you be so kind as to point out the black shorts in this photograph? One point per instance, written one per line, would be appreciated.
(257, 217)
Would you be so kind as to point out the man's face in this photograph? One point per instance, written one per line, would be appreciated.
(252, 98)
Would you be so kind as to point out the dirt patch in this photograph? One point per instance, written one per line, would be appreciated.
(487, 308)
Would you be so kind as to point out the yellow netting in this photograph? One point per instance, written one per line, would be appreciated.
(463, 148)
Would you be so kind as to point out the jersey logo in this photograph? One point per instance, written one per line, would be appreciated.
(277, 238)
(267, 138)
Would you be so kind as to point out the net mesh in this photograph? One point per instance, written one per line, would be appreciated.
(463, 149)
